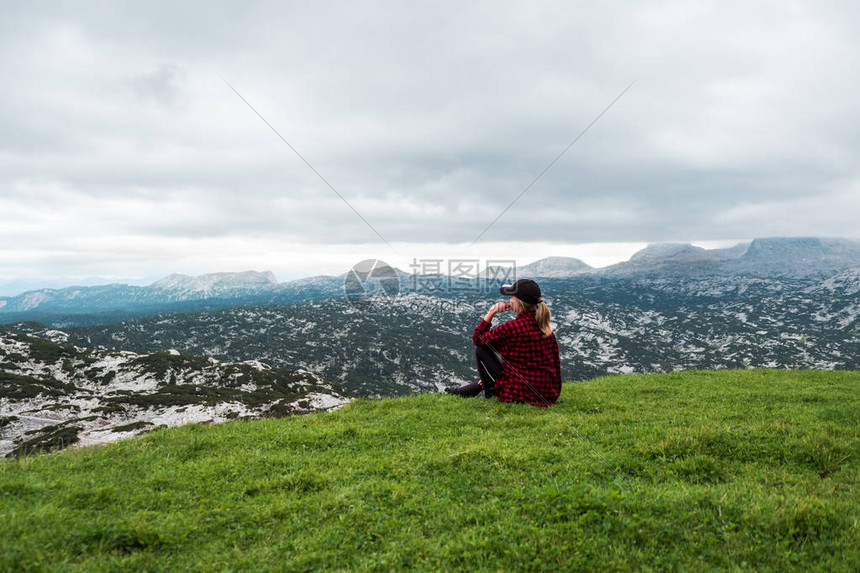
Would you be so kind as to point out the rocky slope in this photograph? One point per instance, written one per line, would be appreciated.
(55, 395)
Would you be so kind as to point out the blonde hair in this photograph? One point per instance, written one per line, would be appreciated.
(542, 314)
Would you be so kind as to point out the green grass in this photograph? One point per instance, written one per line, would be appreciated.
(689, 471)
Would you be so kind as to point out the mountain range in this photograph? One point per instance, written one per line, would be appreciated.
(791, 258)
(604, 325)
(801, 258)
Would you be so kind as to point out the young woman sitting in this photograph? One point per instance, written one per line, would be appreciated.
(518, 361)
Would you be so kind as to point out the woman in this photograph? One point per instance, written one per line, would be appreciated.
(518, 361)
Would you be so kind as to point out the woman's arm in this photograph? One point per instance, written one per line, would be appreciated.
(483, 335)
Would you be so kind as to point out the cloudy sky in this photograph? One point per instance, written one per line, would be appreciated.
(125, 155)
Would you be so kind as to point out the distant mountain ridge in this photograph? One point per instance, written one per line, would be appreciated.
(800, 258)
(685, 252)
(216, 284)
(795, 258)
(554, 267)
(173, 293)
(217, 280)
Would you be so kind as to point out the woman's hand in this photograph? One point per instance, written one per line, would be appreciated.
(498, 307)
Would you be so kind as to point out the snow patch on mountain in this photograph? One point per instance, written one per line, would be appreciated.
(326, 401)
(845, 283)
(57, 393)
(661, 251)
(216, 284)
(31, 300)
(553, 267)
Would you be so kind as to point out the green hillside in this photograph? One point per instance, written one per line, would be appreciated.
(688, 471)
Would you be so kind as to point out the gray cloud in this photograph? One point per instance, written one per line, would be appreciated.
(429, 119)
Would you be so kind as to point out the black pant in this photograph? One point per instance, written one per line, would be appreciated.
(489, 367)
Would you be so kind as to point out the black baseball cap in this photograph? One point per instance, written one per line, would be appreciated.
(524, 289)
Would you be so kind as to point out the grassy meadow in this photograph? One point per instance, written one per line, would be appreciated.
(689, 471)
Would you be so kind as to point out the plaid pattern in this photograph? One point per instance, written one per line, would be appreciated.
(531, 361)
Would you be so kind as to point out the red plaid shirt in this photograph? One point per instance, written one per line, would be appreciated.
(530, 367)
